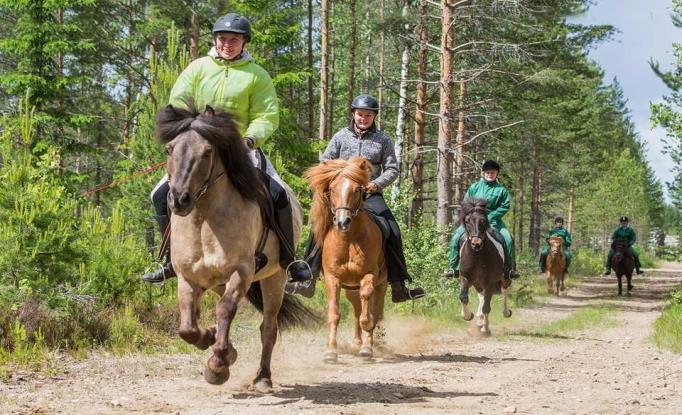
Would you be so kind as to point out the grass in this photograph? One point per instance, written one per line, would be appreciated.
(585, 318)
(668, 327)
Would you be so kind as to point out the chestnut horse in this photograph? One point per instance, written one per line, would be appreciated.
(555, 265)
(216, 228)
(622, 264)
(352, 248)
(481, 263)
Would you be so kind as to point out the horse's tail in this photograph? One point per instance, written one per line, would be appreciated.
(293, 312)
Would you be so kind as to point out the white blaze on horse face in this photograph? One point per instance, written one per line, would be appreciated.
(343, 215)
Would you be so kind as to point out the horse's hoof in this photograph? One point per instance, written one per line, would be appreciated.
(231, 355)
(216, 378)
(263, 386)
(620, 293)
(365, 352)
(331, 357)
(480, 323)
(485, 331)
(630, 287)
(468, 317)
(507, 313)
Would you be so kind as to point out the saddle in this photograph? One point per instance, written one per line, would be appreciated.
(382, 223)
(494, 236)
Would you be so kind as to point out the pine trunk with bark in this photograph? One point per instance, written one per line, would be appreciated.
(419, 118)
(324, 72)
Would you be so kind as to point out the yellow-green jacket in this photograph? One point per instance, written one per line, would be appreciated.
(241, 87)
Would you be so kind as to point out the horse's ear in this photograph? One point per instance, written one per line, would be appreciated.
(366, 165)
(209, 111)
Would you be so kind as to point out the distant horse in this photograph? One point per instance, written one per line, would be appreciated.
(481, 263)
(216, 229)
(352, 251)
(622, 263)
(556, 265)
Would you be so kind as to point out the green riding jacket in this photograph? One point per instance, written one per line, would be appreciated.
(241, 87)
(560, 232)
(626, 233)
(497, 197)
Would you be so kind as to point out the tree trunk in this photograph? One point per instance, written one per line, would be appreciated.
(419, 119)
(324, 57)
(381, 63)
(522, 205)
(571, 210)
(368, 55)
(401, 122)
(311, 81)
(194, 36)
(352, 52)
(534, 233)
(445, 115)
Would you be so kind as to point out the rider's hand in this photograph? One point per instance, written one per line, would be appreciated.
(250, 142)
(371, 188)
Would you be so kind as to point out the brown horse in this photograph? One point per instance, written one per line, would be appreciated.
(352, 254)
(216, 227)
(481, 263)
(622, 263)
(555, 265)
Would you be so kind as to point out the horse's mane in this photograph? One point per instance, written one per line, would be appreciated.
(320, 177)
(218, 128)
(470, 205)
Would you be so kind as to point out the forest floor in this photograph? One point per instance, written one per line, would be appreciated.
(586, 352)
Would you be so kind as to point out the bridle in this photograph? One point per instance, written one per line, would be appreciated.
(471, 235)
(208, 182)
(353, 210)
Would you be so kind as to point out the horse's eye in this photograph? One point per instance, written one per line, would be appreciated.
(169, 149)
(207, 153)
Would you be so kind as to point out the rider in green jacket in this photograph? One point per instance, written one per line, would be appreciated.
(229, 79)
(558, 230)
(498, 204)
(625, 232)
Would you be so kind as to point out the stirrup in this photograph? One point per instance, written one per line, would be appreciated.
(296, 261)
(161, 269)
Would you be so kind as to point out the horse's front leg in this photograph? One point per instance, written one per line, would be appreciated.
(367, 319)
(189, 298)
(464, 299)
(620, 283)
(506, 311)
(273, 295)
(333, 288)
(550, 288)
(487, 297)
(353, 297)
(479, 310)
(218, 367)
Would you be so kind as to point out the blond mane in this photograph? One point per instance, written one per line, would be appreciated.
(356, 169)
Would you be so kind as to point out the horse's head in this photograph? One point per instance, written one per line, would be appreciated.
(619, 247)
(555, 244)
(474, 216)
(200, 146)
(339, 187)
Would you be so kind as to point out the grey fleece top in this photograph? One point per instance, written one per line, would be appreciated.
(374, 145)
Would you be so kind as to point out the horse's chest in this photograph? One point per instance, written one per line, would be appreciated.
(351, 262)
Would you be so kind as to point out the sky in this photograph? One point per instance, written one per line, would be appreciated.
(645, 32)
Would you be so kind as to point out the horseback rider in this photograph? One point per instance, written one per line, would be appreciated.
(229, 79)
(362, 138)
(624, 232)
(558, 230)
(498, 204)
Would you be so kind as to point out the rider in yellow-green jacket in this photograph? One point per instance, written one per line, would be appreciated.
(229, 79)
(624, 232)
(498, 204)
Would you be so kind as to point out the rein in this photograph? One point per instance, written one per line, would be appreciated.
(208, 182)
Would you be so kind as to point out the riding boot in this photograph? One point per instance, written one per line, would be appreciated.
(543, 263)
(510, 266)
(638, 266)
(165, 271)
(397, 272)
(304, 275)
(451, 273)
(400, 293)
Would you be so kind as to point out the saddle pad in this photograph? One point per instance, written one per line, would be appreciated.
(382, 223)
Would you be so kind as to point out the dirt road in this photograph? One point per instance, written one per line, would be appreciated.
(425, 369)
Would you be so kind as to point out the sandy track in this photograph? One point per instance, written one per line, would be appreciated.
(425, 369)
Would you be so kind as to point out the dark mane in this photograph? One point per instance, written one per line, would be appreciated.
(471, 205)
(218, 128)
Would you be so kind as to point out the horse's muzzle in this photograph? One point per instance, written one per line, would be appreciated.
(342, 223)
(476, 243)
(181, 203)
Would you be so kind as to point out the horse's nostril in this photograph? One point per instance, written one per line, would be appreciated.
(346, 221)
(184, 199)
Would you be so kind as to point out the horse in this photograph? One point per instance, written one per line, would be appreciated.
(216, 228)
(622, 263)
(481, 263)
(555, 265)
(352, 249)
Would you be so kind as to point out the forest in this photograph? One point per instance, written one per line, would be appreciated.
(458, 82)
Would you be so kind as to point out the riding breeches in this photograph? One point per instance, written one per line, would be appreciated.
(453, 256)
(395, 256)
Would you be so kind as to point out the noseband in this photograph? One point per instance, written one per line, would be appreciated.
(353, 211)
(208, 182)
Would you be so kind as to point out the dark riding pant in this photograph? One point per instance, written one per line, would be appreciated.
(395, 256)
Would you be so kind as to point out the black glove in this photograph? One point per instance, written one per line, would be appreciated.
(250, 142)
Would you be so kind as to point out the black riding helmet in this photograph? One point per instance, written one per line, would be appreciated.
(490, 165)
(624, 219)
(559, 219)
(233, 23)
(365, 102)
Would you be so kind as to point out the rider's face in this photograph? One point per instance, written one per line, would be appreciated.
(363, 118)
(229, 45)
(490, 175)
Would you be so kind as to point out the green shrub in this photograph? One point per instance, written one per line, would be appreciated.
(668, 327)
(126, 331)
